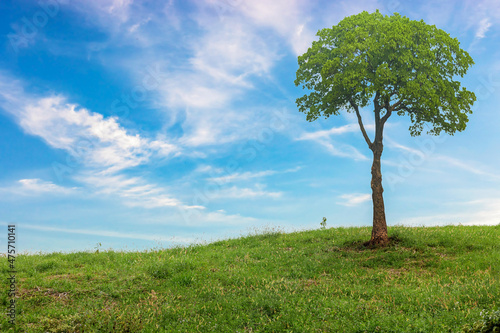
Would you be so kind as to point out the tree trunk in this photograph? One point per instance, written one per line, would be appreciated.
(379, 231)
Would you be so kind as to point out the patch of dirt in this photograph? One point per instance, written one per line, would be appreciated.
(64, 276)
(37, 292)
(310, 282)
(377, 243)
(397, 271)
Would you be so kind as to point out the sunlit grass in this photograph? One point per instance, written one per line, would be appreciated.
(429, 280)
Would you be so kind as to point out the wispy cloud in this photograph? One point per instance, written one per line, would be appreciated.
(478, 17)
(235, 192)
(288, 18)
(107, 233)
(354, 199)
(483, 27)
(110, 14)
(36, 187)
(421, 156)
(482, 211)
(323, 138)
(248, 175)
(198, 217)
(39, 186)
(470, 167)
(349, 128)
(225, 60)
(134, 191)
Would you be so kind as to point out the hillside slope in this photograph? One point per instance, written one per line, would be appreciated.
(429, 280)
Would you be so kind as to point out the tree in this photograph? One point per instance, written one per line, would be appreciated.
(402, 66)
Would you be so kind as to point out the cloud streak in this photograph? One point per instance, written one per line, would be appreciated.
(235, 192)
(323, 138)
(37, 187)
(484, 26)
(106, 233)
(242, 176)
(353, 199)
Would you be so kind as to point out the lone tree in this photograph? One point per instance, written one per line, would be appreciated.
(402, 66)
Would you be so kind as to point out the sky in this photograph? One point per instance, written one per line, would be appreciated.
(132, 125)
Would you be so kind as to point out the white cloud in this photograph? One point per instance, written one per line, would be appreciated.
(349, 128)
(224, 60)
(484, 26)
(99, 142)
(108, 233)
(197, 217)
(429, 155)
(288, 18)
(208, 169)
(483, 211)
(230, 52)
(470, 167)
(235, 192)
(37, 186)
(477, 16)
(343, 150)
(107, 13)
(354, 199)
(89, 137)
(241, 176)
(336, 149)
(134, 191)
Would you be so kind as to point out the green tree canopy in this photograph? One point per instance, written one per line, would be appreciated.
(405, 66)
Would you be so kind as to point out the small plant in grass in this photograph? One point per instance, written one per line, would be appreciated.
(323, 223)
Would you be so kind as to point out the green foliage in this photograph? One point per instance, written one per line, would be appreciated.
(405, 66)
(435, 279)
(323, 223)
(490, 323)
(167, 268)
(46, 266)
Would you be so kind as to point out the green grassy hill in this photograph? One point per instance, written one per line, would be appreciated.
(428, 280)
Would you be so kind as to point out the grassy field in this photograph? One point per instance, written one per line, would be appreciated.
(435, 279)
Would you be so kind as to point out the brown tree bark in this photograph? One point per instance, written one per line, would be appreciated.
(379, 230)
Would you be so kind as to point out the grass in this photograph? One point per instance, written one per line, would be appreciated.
(435, 279)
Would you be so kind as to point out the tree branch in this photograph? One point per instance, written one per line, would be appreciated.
(389, 109)
(360, 122)
(402, 107)
(394, 106)
(386, 116)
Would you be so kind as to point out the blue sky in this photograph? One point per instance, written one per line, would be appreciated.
(138, 124)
